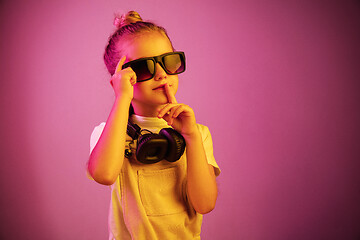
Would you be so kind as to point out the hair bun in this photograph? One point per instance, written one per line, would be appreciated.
(127, 18)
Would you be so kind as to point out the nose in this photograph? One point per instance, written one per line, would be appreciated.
(160, 72)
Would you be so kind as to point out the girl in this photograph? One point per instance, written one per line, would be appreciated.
(165, 199)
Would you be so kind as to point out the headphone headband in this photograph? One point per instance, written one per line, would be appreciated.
(133, 130)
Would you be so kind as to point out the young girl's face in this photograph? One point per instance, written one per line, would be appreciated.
(150, 94)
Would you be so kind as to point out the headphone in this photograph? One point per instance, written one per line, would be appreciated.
(168, 144)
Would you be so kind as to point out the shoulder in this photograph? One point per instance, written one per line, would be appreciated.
(204, 130)
(100, 127)
(95, 135)
(98, 130)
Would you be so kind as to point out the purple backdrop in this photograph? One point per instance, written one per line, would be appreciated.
(277, 83)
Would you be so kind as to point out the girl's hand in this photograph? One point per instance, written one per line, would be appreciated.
(180, 116)
(123, 80)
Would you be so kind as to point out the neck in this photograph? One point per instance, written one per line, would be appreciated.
(146, 111)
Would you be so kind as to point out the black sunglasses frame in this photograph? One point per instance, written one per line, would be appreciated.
(158, 59)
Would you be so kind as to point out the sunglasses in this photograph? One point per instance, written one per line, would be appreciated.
(145, 68)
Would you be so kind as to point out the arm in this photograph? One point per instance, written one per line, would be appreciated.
(201, 182)
(107, 156)
(202, 188)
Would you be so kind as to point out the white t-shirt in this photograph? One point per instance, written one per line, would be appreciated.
(149, 201)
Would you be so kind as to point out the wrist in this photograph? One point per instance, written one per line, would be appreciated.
(192, 136)
(123, 98)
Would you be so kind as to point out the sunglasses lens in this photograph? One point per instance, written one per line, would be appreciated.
(144, 69)
(174, 63)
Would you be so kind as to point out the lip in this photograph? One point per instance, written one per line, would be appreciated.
(160, 87)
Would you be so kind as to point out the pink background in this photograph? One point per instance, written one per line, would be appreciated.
(277, 82)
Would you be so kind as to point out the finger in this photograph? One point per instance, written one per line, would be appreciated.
(168, 119)
(178, 111)
(173, 122)
(165, 110)
(120, 64)
(133, 77)
(170, 95)
(170, 122)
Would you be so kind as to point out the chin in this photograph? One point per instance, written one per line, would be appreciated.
(160, 100)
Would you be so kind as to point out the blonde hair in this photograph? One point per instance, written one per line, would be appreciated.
(127, 18)
(128, 25)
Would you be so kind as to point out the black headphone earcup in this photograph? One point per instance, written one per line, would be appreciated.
(151, 148)
(176, 146)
